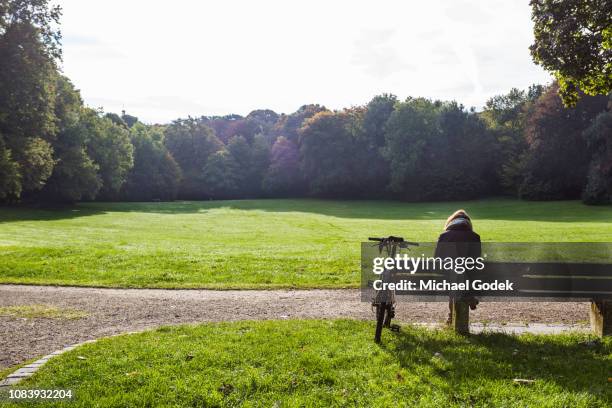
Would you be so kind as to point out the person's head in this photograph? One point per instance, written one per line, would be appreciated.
(459, 217)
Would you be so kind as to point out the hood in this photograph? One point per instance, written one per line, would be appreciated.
(459, 224)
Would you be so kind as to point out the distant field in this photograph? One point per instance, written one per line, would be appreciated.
(252, 243)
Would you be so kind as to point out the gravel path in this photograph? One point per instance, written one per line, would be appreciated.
(113, 311)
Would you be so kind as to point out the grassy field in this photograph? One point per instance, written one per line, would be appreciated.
(329, 363)
(252, 243)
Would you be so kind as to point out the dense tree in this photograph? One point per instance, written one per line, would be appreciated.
(407, 132)
(222, 125)
(116, 119)
(265, 120)
(506, 116)
(37, 13)
(155, 174)
(289, 125)
(252, 161)
(599, 178)
(372, 168)
(557, 158)
(75, 175)
(10, 183)
(191, 142)
(220, 177)
(109, 146)
(327, 147)
(573, 39)
(28, 48)
(438, 151)
(283, 177)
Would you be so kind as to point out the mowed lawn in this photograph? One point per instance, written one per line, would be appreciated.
(252, 243)
(329, 363)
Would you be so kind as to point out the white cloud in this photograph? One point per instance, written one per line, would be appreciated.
(160, 60)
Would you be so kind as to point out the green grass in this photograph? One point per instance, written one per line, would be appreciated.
(4, 372)
(41, 312)
(252, 243)
(329, 363)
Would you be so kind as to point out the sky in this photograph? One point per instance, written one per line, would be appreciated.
(162, 60)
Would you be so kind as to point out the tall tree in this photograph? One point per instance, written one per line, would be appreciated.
(506, 115)
(75, 175)
(252, 161)
(438, 151)
(10, 183)
(328, 146)
(599, 177)
(191, 142)
(108, 145)
(373, 167)
(155, 174)
(573, 40)
(557, 159)
(221, 176)
(407, 132)
(289, 125)
(29, 47)
(283, 177)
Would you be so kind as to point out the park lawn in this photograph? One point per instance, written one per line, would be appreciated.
(330, 363)
(253, 243)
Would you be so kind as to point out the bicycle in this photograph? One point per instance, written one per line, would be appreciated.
(384, 300)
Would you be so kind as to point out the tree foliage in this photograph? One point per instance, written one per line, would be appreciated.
(155, 174)
(191, 142)
(557, 158)
(283, 177)
(573, 40)
(598, 189)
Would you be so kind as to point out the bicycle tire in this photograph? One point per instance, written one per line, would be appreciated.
(380, 318)
(388, 316)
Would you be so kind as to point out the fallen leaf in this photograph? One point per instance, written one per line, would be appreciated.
(522, 381)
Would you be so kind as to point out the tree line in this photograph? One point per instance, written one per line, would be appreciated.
(53, 148)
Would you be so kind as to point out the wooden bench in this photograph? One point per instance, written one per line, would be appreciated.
(532, 282)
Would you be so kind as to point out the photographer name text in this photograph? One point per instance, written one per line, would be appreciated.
(443, 285)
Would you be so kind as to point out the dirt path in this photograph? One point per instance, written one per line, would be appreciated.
(113, 311)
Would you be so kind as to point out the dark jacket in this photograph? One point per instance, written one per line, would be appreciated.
(458, 241)
(466, 242)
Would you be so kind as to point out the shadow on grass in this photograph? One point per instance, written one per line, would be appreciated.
(488, 209)
(571, 365)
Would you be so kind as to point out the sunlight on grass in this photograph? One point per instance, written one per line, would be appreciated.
(41, 312)
(253, 243)
(330, 363)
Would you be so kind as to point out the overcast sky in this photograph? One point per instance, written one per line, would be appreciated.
(160, 60)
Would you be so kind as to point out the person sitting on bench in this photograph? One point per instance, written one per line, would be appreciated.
(459, 240)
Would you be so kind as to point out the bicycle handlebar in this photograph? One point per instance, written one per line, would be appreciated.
(394, 240)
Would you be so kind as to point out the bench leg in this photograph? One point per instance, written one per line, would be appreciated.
(601, 317)
(460, 317)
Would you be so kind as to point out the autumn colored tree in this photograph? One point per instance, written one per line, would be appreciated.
(283, 177)
(557, 159)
